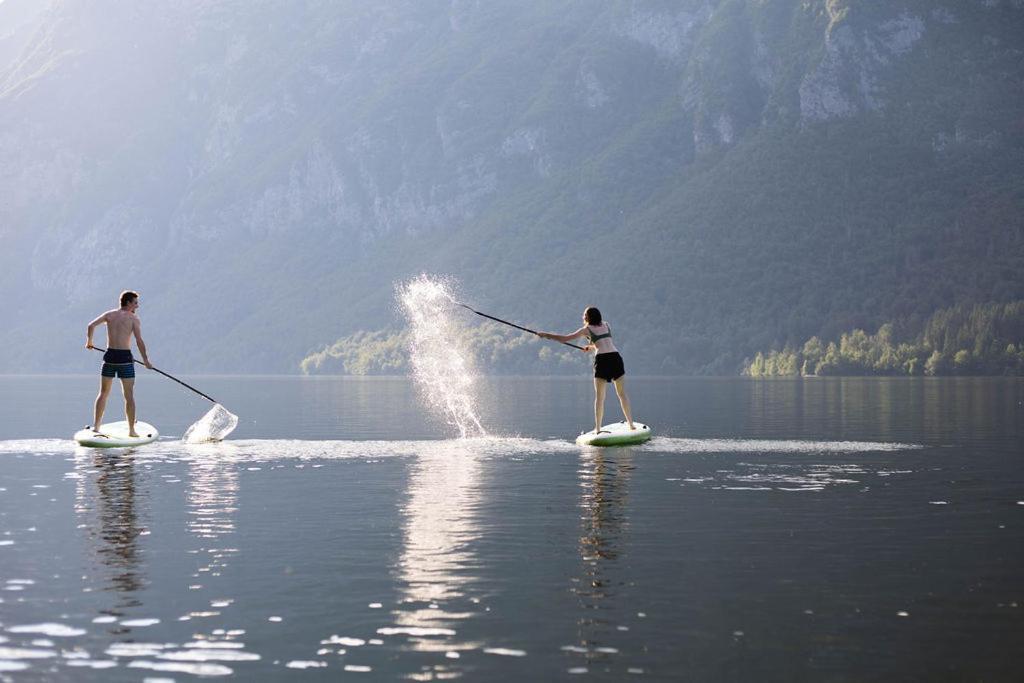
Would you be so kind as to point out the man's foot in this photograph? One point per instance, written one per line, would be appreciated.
(133, 435)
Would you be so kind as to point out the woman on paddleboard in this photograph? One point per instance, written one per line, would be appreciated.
(608, 365)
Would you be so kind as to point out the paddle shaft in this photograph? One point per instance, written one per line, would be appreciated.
(187, 386)
(518, 327)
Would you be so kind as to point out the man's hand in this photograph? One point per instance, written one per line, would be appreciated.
(145, 361)
(88, 344)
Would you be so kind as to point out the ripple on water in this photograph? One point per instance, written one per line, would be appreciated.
(306, 664)
(664, 444)
(343, 640)
(215, 644)
(504, 652)
(263, 450)
(183, 667)
(209, 655)
(92, 663)
(789, 477)
(135, 649)
(415, 631)
(25, 653)
(49, 629)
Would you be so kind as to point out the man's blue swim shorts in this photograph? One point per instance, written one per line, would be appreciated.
(118, 363)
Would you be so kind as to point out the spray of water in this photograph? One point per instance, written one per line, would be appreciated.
(214, 426)
(441, 361)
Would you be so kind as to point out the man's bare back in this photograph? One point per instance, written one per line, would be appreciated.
(121, 325)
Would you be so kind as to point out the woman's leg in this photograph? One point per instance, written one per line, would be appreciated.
(620, 390)
(600, 386)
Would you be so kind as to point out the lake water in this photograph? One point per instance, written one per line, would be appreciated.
(818, 529)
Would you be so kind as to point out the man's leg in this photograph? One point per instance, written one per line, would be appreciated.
(128, 387)
(101, 402)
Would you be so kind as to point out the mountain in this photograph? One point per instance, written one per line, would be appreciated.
(720, 177)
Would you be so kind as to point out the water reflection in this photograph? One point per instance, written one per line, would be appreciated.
(604, 476)
(436, 570)
(112, 524)
(889, 409)
(212, 505)
(212, 496)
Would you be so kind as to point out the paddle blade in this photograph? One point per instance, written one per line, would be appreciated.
(214, 426)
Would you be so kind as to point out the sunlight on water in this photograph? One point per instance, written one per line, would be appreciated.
(434, 569)
(441, 362)
(301, 449)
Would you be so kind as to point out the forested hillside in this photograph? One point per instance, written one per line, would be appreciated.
(963, 340)
(721, 177)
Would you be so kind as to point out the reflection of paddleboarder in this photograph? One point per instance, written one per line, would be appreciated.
(122, 324)
(608, 366)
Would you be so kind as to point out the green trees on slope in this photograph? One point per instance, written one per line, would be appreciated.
(981, 339)
(493, 348)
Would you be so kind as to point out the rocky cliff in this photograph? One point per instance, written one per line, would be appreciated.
(723, 174)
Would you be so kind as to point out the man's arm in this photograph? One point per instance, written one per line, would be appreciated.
(92, 326)
(137, 329)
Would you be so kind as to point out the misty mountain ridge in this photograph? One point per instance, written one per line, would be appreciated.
(719, 177)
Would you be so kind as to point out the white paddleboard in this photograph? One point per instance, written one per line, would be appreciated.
(618, 434)
(115, 435)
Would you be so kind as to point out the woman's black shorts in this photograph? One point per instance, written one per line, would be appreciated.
(608, 366)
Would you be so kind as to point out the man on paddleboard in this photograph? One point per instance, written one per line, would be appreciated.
(122, 324)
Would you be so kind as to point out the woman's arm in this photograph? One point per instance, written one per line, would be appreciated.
(563, 337)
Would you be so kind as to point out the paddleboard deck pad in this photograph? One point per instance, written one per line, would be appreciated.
(115, 435)
(618, 434)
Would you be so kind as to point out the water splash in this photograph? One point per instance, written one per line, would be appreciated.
(441, 361)
(215, 425)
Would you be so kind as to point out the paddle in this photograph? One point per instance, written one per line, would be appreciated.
(518, 327)
(214, 426)
(101, 350)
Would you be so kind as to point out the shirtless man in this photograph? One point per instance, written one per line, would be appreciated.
(122, 324)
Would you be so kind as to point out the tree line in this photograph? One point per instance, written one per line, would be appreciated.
(978, 339)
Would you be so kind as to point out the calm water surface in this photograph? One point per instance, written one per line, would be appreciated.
(841, 529)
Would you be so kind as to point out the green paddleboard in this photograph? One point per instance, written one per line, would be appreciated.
(618, 434)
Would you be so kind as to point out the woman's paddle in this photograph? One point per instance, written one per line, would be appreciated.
(102, 350)
(518, 327)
